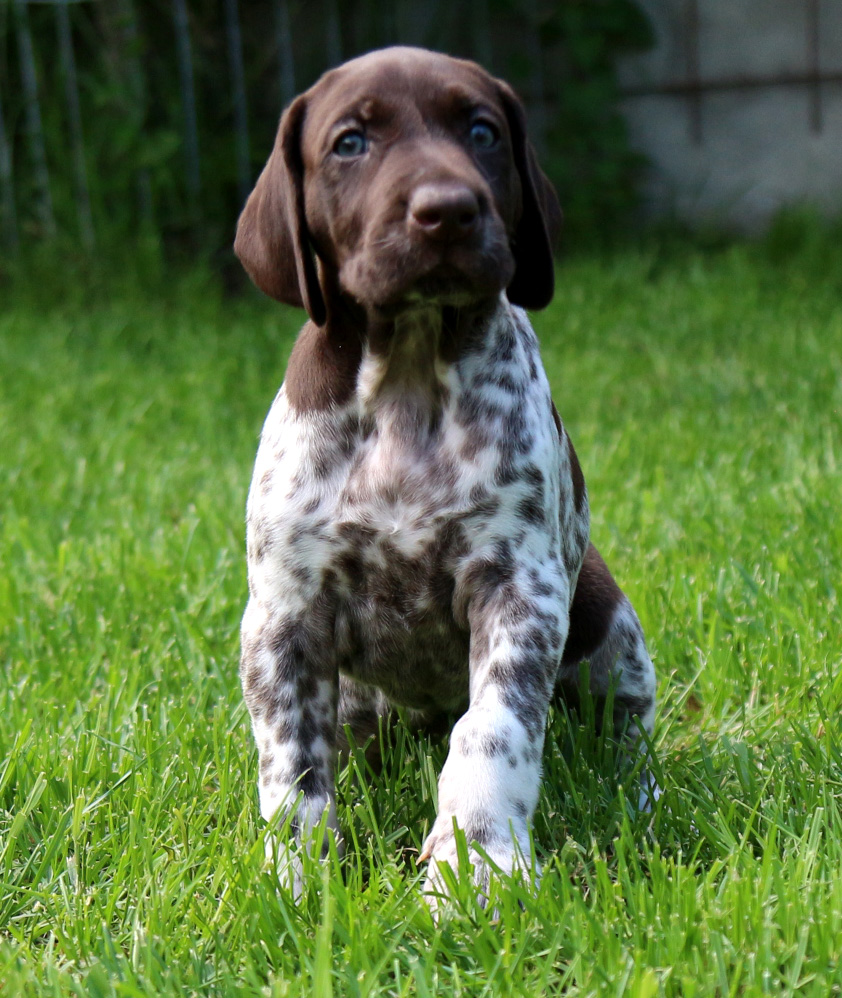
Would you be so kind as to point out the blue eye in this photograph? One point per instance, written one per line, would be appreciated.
(484, 135)
(351, 143)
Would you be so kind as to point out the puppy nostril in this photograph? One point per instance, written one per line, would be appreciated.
(428, 217)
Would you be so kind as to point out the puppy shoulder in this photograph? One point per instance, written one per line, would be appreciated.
(322, 369)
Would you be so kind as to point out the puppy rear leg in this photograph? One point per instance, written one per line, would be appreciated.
(369, 715)
(604, 629)
(366, 712)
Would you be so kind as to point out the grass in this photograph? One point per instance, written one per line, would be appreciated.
(703, 391)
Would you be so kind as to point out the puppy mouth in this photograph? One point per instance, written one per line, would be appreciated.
(445, 284)
(456, 276)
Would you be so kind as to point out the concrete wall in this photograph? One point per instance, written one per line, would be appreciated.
(757, 134)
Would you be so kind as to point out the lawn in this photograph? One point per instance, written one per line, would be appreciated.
(703, 390)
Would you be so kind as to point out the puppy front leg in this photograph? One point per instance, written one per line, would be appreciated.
(290, 684)
(489, 783)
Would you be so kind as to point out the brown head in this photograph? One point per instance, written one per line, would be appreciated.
(402, 177)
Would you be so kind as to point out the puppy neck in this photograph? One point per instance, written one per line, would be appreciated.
(404, 361)
(402, 379)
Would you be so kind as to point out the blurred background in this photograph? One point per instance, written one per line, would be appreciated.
(123, 120)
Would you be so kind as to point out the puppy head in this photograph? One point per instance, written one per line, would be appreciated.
(401, 178)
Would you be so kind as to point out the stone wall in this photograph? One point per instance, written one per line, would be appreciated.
(738, 108)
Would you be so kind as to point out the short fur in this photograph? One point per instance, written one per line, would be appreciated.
(418, 519)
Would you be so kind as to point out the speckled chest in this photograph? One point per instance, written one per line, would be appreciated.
(374, 513)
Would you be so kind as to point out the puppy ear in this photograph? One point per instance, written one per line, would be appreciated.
(272, 240)
(540, 220)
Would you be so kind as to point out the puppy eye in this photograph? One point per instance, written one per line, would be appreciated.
(351, 143)
(484, 135)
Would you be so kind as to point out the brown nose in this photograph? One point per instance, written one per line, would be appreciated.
(446, 212)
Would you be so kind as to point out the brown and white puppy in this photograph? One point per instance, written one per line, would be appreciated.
(417, 520)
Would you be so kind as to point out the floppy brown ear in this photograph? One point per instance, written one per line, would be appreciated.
(272, 240)
(540, 221)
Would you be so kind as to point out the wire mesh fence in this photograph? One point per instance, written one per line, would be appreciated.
(123, 115)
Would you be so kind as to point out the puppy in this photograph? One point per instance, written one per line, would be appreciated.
(418, 519)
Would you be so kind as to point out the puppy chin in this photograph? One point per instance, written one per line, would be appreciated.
(388, 295)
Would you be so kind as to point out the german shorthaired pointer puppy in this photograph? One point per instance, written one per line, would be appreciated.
(417, 520)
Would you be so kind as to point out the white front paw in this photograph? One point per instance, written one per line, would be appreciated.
(504, 851)
(285, 859)
(303, 839)
(650, 792)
